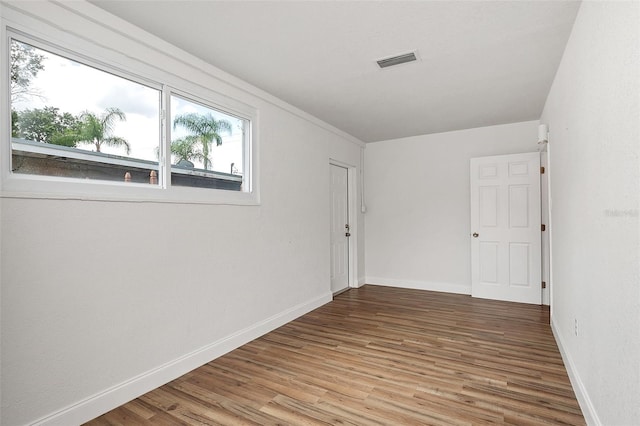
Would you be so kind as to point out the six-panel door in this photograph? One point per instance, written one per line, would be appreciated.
(505, 228)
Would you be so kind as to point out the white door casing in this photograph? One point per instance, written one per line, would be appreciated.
(544, 237)
(339, 231)
(505, 228)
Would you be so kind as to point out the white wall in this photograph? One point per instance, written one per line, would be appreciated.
(102, 301)
(594, 121)
(417, 195)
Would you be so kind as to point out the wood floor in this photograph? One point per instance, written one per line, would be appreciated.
(379, 355)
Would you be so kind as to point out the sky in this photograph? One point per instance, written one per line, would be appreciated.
(75, 88)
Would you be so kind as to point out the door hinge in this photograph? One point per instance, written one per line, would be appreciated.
(543, 227)
(541, 170)
(544, 284)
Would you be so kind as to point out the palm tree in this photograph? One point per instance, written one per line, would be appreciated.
(97, 130)
(187, 149)
(205, 129)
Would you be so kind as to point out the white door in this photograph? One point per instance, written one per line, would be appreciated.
(505, 227)
(339, 229)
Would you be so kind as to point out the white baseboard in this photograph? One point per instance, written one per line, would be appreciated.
(420, 285)
(102, 402)
(588, 410)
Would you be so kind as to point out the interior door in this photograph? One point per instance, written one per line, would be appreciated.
(339, 229)
(505, 227)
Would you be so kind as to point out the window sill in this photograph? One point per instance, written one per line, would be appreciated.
(37, 187)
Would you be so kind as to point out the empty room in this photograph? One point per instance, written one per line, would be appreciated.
(319, 212)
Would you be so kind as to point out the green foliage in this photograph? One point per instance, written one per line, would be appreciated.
(25, 65)
(15, 130)
(97, 130)
(187, 149)
(47, 125)
(204, 130)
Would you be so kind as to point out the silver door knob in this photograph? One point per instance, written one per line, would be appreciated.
(475, 235)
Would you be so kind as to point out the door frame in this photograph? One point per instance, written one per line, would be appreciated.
(546, 149)
(352, 199)
(545, 217)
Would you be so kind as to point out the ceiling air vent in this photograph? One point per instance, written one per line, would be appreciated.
(397, 60)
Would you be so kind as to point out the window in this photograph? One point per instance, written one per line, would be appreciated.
(72, 120)
(75, 120)
(207, 146)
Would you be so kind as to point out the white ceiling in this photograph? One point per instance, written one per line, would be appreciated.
(480, 62)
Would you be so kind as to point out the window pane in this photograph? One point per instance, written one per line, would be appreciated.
(207, 146)
(73, 120)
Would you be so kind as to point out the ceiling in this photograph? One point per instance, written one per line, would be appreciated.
(480, 63)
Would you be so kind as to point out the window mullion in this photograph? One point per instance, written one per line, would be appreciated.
(165, 160)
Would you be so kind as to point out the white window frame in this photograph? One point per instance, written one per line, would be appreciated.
(17, 185)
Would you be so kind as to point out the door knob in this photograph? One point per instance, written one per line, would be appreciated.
(476, 235)
(347, 234)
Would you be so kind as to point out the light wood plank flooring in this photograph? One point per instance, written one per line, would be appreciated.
(379, 355)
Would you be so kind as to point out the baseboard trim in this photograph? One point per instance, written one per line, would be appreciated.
(115, 396)
(588, 410)
(420, 285)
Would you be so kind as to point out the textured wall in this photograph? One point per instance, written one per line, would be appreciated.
(594, 121)
(417, 194)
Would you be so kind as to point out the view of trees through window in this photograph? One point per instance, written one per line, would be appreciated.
(69, 119)
(210, 139)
